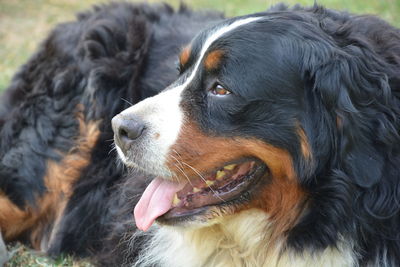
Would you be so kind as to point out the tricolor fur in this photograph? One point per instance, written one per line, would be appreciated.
(57, 165)
(296, 109)
(302, 103)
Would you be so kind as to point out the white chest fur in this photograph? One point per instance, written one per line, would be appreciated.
(239, 240)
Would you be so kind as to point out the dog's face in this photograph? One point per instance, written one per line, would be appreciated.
(245, 126)
(223, 128)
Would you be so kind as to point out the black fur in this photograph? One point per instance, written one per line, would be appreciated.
(337, 76)
(111, 56)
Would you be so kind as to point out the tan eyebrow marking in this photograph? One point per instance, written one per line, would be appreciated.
(213, 59)
(185, 55)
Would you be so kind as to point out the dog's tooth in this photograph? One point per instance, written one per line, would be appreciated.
(230, 167)
(195, 190)
(210, 183)
(220, 174)
(176, 200)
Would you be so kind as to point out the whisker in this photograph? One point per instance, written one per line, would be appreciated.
(177, 159)
(176, 152)
(123, 99)
(111, 150)
(199, 174)
(180, 163)
(182, 170)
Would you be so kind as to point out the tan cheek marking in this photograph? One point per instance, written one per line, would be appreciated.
(281, 197)
(59, 179)
(213, 59)
(283, 200)
(305, 146)
(193, 145)
(185, 55)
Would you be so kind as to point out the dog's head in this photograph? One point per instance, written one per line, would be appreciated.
(271, 111)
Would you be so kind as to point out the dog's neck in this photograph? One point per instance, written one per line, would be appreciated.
(239, 240)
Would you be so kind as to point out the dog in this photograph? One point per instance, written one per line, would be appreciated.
(57, 166)
(278, 145)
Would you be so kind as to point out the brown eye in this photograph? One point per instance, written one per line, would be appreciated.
(220, 91)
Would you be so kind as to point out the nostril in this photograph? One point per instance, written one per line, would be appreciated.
(123, 133)
(130, 129)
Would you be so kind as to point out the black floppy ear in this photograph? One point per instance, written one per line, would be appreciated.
(361, 161)
(354, 89)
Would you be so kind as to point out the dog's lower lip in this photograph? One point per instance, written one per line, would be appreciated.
(216, 198)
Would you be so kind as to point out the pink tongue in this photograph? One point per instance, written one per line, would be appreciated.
(155, 201)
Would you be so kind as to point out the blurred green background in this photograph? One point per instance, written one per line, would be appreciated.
(24, 23)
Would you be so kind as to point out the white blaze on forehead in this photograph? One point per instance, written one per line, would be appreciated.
(163, 116)
(212, 38)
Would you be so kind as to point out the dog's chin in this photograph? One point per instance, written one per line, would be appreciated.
(200, 218)
(208, 205)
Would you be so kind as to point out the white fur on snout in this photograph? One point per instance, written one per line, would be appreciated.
(163, 118)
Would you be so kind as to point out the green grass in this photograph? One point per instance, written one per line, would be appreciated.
(23, 256)
(24, 23)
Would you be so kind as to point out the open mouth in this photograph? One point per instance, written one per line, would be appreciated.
(219, 187)
(170, 202)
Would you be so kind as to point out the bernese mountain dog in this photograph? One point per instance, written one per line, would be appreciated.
(277, 144)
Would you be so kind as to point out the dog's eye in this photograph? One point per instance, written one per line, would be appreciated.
(219, 90)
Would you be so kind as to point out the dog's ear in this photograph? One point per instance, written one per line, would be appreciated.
(354, 89)
(360, 160)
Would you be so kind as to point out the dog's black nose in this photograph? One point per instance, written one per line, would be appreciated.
(126, 130)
